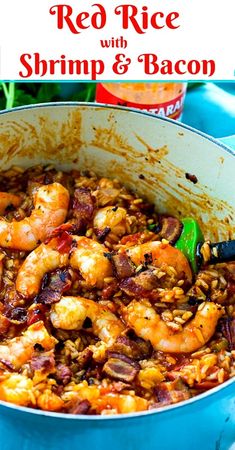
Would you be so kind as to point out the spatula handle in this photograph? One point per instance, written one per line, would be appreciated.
(220, 252)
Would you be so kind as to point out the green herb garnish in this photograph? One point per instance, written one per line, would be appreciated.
(19, 94)
(152, 227)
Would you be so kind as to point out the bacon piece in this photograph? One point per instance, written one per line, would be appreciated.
(140, 285)
(101, 234)
(123, 267)
(81, 407)
(135, 348)
(48, 296)
(169, 392)
(227, 327)
(45, 362)
(59, 280)
(120, 367)
(54, 286)
(132, 288)
(83, 207)
(63, 374)
(109, 290)
(147, 280)
(171, 229)
(17, 314)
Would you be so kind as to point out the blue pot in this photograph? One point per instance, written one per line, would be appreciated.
(117, 141)
(207, 422)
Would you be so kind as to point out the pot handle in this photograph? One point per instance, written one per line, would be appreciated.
(229, 141)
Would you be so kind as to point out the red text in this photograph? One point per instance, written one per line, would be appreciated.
(141, 20)
(81, 21)
(153, 66)
(35, 65)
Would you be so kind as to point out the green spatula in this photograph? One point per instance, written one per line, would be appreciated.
(191, 241)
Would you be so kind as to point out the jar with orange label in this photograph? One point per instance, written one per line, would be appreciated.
(164, 99)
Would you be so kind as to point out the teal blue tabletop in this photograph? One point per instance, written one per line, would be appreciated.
(210, 108)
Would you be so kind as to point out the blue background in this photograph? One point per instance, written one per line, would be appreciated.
(210, 107)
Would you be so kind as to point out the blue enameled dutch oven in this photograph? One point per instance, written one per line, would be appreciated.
(124, 143)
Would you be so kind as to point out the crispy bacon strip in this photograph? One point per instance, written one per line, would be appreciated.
(141, 285)
(123, 267)
(54, 286)
(83, 207)
(171, 229)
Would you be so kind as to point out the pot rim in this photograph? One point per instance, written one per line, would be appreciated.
(137, 111)
(135, 415)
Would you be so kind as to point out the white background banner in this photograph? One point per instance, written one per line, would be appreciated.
(117, 40)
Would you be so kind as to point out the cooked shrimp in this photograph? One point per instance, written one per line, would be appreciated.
(17, 389)
(113, 218)
(103, 400)
(162, 255)
(70, 313)
(19, 350)
(87, 256)
(148, 325)
(8, 199)
(50, 210)
(43, 259)
(48, 401)
(120, 403)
